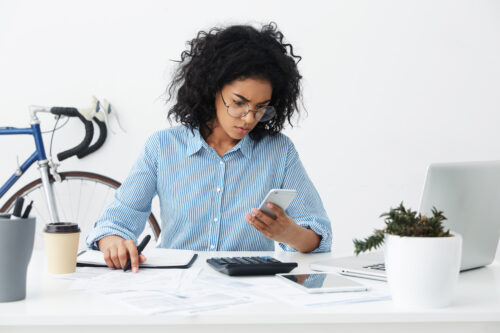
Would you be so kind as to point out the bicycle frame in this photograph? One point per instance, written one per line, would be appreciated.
(37, 156)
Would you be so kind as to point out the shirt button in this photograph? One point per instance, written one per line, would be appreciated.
(212, 246)
(215, 219)
(221, 163)
(218, 189)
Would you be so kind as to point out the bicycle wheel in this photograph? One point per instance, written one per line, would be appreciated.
(81, 198)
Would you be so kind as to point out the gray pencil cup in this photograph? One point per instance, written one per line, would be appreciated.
(16, 246)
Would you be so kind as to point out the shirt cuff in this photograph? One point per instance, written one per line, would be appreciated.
(101, 232)
(325, 244)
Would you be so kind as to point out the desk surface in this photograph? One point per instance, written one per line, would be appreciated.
(52, 305)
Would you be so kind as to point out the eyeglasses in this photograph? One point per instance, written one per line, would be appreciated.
(239, 109)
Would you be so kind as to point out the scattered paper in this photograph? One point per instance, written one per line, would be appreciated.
(154, 302)
(190, 291)
(82, 273)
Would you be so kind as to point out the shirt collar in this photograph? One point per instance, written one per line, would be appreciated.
(196, 142)
(245, 146)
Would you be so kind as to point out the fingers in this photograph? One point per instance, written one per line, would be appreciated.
(117, 252)
(134, 255)
(109, 246)
(113, 253)
(276, 229)
(260, 226)
(122, 255)
(263, 217)
(107, 258)
(277, 210)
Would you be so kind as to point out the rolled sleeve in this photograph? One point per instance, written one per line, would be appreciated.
(119, 220)
(320, 229)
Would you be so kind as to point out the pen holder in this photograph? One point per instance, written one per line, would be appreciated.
(16, 247)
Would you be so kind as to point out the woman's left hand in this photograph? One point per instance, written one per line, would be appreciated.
(280, 229)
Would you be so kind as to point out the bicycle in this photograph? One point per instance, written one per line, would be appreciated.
(54, 193)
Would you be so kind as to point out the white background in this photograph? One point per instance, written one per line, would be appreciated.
(389, 86)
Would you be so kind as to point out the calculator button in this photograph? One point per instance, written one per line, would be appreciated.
(253, 260)
(248, 260)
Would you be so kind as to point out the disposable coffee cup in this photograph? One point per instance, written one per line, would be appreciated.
(61, 247)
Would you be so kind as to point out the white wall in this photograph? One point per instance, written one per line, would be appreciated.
(389, 86)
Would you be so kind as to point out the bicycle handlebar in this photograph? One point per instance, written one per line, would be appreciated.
(103, 133)
(89, 132)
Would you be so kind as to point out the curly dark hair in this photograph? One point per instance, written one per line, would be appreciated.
(222, 55)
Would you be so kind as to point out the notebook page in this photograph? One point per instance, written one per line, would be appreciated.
(155, 257)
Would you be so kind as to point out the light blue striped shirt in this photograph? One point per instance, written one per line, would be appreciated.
(204, 197)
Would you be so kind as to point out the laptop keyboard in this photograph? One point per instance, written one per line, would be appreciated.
(378, 267)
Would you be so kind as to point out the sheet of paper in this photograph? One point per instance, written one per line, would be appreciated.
(82, 273)
(115, 281)
(153, 302)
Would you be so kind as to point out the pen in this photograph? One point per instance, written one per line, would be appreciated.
(141, 247)
(27, 210)
(18, 208)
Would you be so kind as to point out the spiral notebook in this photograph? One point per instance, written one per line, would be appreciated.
(156, 258)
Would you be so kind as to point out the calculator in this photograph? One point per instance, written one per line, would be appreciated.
(238, 266)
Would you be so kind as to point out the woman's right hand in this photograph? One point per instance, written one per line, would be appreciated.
(118, 250)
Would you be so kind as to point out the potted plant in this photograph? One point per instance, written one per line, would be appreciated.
(422, 260)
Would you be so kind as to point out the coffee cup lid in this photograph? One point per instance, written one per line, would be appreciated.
(61, 228)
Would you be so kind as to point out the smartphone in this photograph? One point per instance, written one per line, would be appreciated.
(279, 197)
(323, 282)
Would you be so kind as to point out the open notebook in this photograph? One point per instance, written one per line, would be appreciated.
(156, 258)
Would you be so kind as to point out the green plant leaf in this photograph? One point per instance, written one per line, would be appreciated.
(402, 221)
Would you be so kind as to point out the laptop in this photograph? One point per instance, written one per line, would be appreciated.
(468, 193)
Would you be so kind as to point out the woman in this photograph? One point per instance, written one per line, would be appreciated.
(235, 88)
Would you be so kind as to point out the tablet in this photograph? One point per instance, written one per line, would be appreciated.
(322, 282)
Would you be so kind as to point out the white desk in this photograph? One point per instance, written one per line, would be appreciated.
(51, 306)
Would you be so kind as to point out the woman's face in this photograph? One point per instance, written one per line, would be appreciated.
(255, 92)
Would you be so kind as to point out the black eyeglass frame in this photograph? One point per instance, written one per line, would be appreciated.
(269, 109)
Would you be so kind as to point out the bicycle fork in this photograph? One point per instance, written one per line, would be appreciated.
(43, 166)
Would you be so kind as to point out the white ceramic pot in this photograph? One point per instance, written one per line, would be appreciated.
(422, 272)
